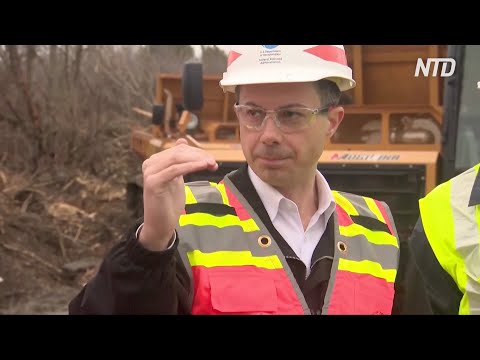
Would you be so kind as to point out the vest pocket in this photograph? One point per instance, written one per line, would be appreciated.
(373, 297)
(234, 293)
(361, 294)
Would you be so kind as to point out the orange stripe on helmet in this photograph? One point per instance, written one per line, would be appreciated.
(232, 56)
(329, 53)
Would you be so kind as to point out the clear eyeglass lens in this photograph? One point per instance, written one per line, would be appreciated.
(287, 119)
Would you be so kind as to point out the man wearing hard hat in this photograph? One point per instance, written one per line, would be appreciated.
(271, 237)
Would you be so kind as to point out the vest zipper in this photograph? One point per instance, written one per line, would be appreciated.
(292, 257)
(296, 258)
(312, 265)
(323, 257)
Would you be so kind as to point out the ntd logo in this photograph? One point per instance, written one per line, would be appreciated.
(269, 47)
(436, 62)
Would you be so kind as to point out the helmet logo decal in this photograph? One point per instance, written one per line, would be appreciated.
(270, 54)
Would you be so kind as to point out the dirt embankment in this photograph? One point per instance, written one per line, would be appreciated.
(55, 227)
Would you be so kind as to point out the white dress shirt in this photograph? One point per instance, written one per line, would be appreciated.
(286, 219)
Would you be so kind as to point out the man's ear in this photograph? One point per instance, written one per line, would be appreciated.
(335, 117)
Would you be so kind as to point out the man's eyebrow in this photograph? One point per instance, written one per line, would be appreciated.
(251, 103)
(293, 105)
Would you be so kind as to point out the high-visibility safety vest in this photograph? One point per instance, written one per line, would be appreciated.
(236, 267)
(452, 229)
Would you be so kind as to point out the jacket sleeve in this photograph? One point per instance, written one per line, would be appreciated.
(134, 280)
(410, 292)
(443, 294)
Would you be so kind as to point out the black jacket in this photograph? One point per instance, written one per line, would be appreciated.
(133, 280)
(442, 292)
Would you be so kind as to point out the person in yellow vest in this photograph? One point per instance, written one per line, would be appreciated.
(446, 244)
(271, 237)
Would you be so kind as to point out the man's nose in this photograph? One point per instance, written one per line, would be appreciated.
(270, 134)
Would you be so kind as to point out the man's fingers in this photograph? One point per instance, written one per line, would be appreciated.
(213, 167)
(181, 141)
(160, 165)
(177, 155)
(161, 178)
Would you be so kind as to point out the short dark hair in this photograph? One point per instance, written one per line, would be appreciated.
(327, 90)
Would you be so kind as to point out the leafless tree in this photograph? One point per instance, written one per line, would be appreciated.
(60, 104)
(214, 60)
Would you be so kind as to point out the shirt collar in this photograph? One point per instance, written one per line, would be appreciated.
(271, 197)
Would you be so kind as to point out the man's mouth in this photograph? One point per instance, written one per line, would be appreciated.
(272, 161)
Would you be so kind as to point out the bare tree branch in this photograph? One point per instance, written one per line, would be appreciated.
(14, 59)
(52, 67)
(78, 58)
(31, 55)
(66, 67)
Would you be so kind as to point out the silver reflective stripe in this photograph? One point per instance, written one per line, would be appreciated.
(204, 192)
(359, 203)
(215, 239)
(363, 209)
(392, 221)
(473, 291)
(467, 234)
(333, 272)
(359, 248)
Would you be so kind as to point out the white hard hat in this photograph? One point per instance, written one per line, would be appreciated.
(261, 64)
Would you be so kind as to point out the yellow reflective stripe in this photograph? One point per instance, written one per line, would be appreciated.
(189, 198)
(367, 267)
(222, 191)
(344, 203)
(438, 224)
(464, 308)
(374, 209)
(203, 219)
(375, 237)
(233, 258)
